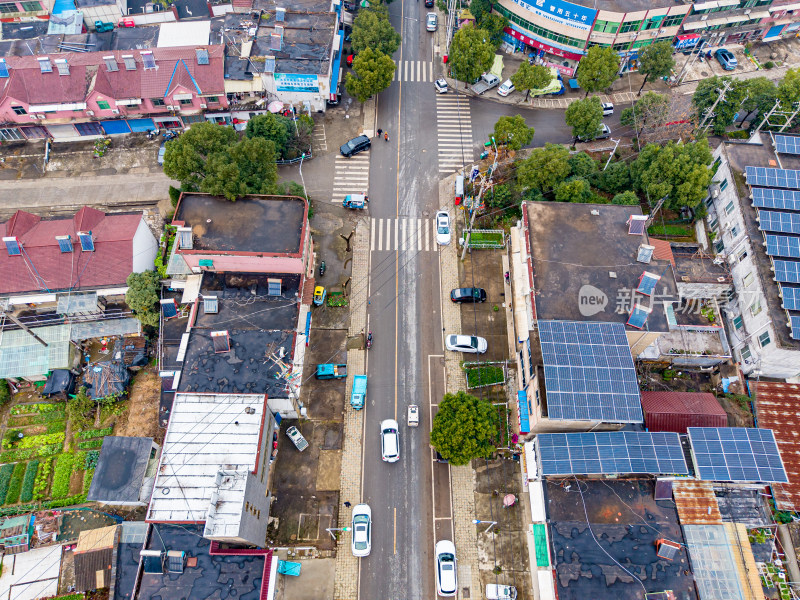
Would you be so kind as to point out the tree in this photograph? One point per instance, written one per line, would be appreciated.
(374, 72)
(271, 127)
(616, 178)
(650, 110)
(626, 197)
(471, 53)
(655, 60)
(574, 189)
(598, 69)
(789, 89)
(513, 131)
(531, 77)
(544, 169)
(186, 156)
(677, 171)
(372, 29)
(585, 117)
(582, 165)
(246, 168)
(494, 25)
(761, 96)
(706, 94)
(480, 8)
(499, 195)
(464, 428)
(142, 296)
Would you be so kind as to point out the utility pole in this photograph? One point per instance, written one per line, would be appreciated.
(769, 114)
(610, 156)
(476, 203)
(690, 61)
(791, 118)
(710, 111)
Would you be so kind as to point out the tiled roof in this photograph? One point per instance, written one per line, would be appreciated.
(43, 267)
(663, 250)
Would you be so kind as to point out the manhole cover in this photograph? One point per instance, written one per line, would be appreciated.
(703, 73)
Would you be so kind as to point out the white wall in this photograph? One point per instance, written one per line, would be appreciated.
(145, 248)
(108, 13)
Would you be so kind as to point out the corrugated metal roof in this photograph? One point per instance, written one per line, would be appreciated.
(696, 503)
(675, 411)
(663, 250)
(777, 405)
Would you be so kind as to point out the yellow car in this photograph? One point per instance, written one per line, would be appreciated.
(319, 295)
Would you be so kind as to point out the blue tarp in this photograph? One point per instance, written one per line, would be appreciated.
(286, 567)
(524, 419)
(141, 124)
(116, 126)
(62, 5)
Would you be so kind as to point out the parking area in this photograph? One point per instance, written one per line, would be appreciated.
(324, 398)
(712, 67)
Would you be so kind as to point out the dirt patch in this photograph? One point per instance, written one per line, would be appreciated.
(330, 465)
(66, 579)
(739, 415)
(141, 418)
(76, 483)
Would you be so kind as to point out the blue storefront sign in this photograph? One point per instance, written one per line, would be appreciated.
(292, 82)
(688, 40)
(562, 12)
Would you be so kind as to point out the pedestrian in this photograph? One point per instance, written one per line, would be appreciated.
(386, 136)
(508, 276)
(347, 505)
(380, 132)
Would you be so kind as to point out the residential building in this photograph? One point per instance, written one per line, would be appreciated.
(15, 534)
(93, 556)
(125, 471)
(762, 317)
(27, 9)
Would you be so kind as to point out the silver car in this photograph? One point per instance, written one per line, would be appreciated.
(431, 22)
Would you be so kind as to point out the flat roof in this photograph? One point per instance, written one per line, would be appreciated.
(264, 224)
(693, 265)
(31, 575)
(207, 433)
(184, 33)
(577, 255)
(21, 355)
(120, 469)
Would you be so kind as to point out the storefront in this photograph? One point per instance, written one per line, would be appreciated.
(544, 54)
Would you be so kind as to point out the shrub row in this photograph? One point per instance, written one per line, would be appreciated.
(42, 479)
(5, 479)
(56, 426)
(20, 509)
(61, 475)
(90, 444)
(5, 392)
(28, 481)
(71, 501)
(90, 461)
(87, 480)
(15, 485)
(27, 453)
(41, 407)
(46, 439)
(79, 462)
(95, 433)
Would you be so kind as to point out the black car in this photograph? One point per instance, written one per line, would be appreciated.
(354, 146)
(468, 295)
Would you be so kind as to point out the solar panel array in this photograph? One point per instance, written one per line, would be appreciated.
(772, 177)
(791, 298)
(794, 322)
(783, 245)
(589, 372)
(737, 454)
(781, 199)
(787, 271)
(611, 452)
(783, 222)
(638, 316)
(787, 144)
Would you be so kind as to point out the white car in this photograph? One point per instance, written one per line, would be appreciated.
(608, 109)
(443, 228)
(390, 441)
(446, 576)
(440, 85)
(506, 88)
(466, 343)
(362, 530)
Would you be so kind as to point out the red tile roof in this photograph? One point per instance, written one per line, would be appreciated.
(43, 267)
(675, 411)
(663, 251)
(777, 407)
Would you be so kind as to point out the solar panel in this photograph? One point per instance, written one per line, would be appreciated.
(87, 243)
(783, 245)
(791, 297)
(795, 325)
(210, 304)
(202, 56)
(781, 199)
(169, 309)
(221, 341)
(771, 177)
(185, 238)
(636, 224)
(610, 452)
(784, 222)
(647, 283)
(64, 243)
(589, 372)
(736, 454)
(787, 144)
(148, 60)
(787, 271)
(638, 316)
(12, 246)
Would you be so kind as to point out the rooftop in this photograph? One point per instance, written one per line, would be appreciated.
(31, 575)
(589, 518)
(625, 6)
(262, 224)
(120, 469)
(93, 558)
(206, 435)
(243, 575)
(21, 355)
(682, 410)
(777, 406)
(131, 541)
(578, 255)
(692, 265)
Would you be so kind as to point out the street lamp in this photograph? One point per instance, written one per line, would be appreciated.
(491, 524)
(330, 530)
(305, 191)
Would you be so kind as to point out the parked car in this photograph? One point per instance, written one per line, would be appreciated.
(390, 441)
(468, 295)
(471, 344)
(428, 3)
(602, 134)
(441, 86)
(362, 530)
(506, 88)
(413, 415)
(500, 592)
(446, 575)
(162, 149)
(297, 438)
(356, 145)
(431, 22)
(443, 228)
(608, 109)
(726, 59)
(485, 82)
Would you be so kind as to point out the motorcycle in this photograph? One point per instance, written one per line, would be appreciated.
(369, 340)
(322, 268)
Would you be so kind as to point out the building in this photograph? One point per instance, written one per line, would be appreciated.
(676, 411)
(33, 574)
(125, 471)
(15, 534)
(93, 556)
(754, 229)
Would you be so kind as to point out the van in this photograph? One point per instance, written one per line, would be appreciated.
(413, 415)
(500, 592)
(459, 189)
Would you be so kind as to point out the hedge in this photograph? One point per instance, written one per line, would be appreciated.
(42, 479)
(70, 597)
(14, 487)
(61, 475)
(95, 433)
(28, 481)
(72, 500)
(5, 479)
(20, 509)
(5, 392)
(87, 480)
(90, 444)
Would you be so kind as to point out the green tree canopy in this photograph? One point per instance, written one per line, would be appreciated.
(544, 169)
(471, 53)
(465, 427)
(582, 165)
(372, 29)
(186, 156)
(513, 131)
(494, 24)
(761, 96)
(655, 60)
(479, 9)
(142, 296)
(650, 111)
(269, 126)
(626, 197)
(574, 189)
(373, 72)
(677, 171)
(585, 117)
(789, 89)
(616, 178)
(531, 77)
(706, 94)
(598, 69)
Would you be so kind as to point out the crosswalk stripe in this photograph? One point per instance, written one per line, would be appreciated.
(351, 176)
(372, 236)
(404, 235)
(413, 71)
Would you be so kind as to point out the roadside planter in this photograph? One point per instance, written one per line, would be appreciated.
(482, 239)
(485, 374)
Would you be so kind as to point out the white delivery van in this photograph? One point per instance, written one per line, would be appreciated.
(413, 415)
(500, 592)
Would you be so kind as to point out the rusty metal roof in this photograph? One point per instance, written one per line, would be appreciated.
(777, 407)
(696, 503)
